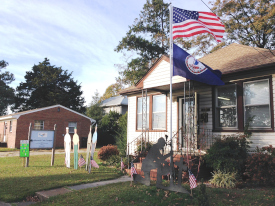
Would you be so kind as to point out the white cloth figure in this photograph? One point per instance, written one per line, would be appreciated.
(67, 146)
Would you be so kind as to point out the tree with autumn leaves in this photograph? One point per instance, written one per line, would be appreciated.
(248, 22)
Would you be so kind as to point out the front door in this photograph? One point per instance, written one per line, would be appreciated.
(188, 121)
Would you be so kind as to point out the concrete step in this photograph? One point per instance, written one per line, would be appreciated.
(44, 195)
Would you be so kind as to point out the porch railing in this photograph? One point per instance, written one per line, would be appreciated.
(188, 143)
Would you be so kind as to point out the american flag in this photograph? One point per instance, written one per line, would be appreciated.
(121, 164)
(189, 23)
(192, 180)
(94, 164)
(133, 169)
(81, 161)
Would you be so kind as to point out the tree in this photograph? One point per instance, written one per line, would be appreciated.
(6, 92)
(153, 23)
(248, 22)
(109, 126)
(112, 91)
(94, 110)
(121, 135)
(48, 85)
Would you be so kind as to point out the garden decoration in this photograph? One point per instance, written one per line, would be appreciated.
(93, 146)
(67, 147)
(76, 148)
(88, 147)
(156, 160)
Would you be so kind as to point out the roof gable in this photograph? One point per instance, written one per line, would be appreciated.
(159, 75)
(17, 115)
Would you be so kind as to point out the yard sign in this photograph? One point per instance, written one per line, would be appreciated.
(24, 148)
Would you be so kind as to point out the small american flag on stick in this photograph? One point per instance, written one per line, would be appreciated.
(81, 161)
(121, 164)
(94, 164)
(192, 180)
(133, 169)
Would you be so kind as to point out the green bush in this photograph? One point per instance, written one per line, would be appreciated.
(224, 179)
(260, 167)
(228, 154)
(113, 160)
(121, 135)
(147, 148)
(106, 152)
(202, 195)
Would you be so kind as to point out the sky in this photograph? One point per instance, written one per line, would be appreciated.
(78, 35)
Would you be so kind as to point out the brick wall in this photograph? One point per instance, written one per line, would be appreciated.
(10, 132)
(51, 117)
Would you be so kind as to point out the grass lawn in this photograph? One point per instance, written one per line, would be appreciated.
(18, 182)
(124, 194)
(4, 149)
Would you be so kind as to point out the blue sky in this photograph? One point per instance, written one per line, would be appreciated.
(78, 35)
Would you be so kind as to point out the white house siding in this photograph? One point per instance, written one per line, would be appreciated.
(205, 102)
(161, 76)
(131, 126)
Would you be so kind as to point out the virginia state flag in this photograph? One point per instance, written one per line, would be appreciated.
(187, 66)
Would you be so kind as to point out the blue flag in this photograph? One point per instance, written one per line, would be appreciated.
(187, 66)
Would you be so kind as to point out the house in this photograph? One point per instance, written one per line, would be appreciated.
(201, 112)
(15, 127)
(118, 104)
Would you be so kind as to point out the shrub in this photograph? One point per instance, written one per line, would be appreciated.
(202, 195)
(113, 160)
(148, 146)
(228, 154)
(269, 150)
(224, 179)
(260, 168)
(106, 152)
(121, 135)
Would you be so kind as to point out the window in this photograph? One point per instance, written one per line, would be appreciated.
(156, 112)
(10, 126)
(257, 103)
(72, 125)
(139, 113)
(242, 103)
(38, 125)
(226, 106)
(159, 112)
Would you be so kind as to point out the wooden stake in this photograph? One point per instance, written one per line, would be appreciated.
(29, 138)
(54, 142)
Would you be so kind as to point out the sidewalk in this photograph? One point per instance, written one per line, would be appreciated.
(44, 195)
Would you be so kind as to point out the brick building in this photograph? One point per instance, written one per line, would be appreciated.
(15, 127)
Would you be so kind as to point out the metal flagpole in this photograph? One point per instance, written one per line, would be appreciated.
(171, 75)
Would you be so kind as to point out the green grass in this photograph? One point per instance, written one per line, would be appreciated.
(4, 149)
(124, 194)
(18, 182)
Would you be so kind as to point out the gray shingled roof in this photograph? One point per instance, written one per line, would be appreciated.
(237, 57)
(115, 101)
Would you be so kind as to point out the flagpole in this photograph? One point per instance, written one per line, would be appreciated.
(171, 75)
